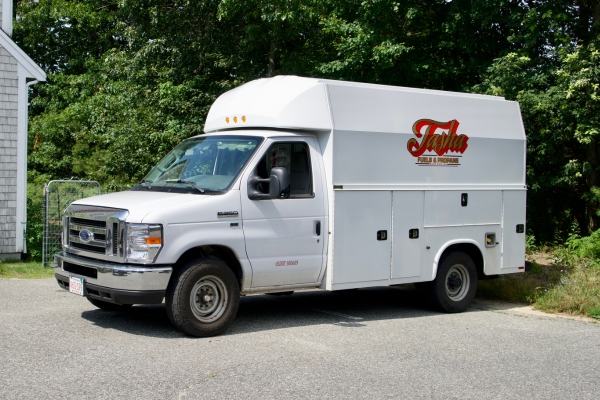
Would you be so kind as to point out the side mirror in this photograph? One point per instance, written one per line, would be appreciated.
(279, 184)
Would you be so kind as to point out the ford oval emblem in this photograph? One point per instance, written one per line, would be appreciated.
(86, 235)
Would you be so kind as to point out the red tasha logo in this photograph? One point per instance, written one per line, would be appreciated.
(441, 143)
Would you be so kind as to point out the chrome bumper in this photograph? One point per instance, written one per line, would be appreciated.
(110, 275)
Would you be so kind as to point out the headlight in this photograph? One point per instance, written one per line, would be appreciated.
(143, 243)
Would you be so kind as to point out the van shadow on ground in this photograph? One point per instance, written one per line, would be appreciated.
(350, 309)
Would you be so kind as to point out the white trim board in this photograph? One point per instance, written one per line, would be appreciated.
(31, 68)
(7, 14)
(21, 211)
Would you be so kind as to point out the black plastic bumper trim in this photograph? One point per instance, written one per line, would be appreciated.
(117, 296)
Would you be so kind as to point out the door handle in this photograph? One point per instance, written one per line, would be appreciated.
(318, 228)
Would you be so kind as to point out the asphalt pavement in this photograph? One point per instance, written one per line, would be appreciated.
(369, 343)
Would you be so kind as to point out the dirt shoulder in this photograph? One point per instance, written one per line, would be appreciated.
(524, 309)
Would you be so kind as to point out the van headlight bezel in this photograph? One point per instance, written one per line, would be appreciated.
(143, 242)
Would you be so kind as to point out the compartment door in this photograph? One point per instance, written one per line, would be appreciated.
(407, 211)
(359, 255)
(513, 243)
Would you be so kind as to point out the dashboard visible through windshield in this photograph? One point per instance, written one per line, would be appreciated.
(202, 164)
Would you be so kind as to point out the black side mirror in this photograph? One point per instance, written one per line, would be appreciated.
(279, 185)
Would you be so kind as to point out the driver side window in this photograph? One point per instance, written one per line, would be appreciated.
(295, 157)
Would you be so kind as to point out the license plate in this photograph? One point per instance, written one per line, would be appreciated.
(76, 285)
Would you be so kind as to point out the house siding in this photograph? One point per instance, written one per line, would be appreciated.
(8, 151)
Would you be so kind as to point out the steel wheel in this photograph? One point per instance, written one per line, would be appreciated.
(457, 282)
(202, 297)
(209, 299)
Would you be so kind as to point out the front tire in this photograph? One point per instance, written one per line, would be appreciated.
(454, 287)
(202, 298)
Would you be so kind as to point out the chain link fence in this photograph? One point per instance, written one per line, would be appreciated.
(58, 195)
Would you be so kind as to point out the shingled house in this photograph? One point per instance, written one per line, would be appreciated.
(17, 73)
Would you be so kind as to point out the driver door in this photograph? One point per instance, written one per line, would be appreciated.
(284, 236)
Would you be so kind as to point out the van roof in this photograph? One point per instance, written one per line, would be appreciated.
(297, 103)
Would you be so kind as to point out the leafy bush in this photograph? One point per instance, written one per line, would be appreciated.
(579, 250)
(577, 289)
(595, 312)
(530, 244)
(35, 219)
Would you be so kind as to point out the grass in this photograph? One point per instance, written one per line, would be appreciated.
(576, 293)
(511, 288)
(553, 285)
(24, 270)
(522, 287)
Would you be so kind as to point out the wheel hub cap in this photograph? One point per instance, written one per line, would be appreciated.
(209, 299)
(457, 282)
(454, 282)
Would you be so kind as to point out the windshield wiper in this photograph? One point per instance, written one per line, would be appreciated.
(193, 184)
(146, 183)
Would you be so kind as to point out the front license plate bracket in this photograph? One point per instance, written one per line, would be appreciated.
(76, 285)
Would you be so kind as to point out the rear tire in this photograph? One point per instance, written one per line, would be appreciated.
(106, 306)
(203, 298)
(454, 287)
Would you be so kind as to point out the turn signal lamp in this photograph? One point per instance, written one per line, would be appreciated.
(153, 240)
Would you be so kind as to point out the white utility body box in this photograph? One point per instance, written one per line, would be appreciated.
(397, 159)
(305, 183)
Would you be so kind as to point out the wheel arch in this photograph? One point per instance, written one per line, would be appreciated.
(223, 253)
(467, 246)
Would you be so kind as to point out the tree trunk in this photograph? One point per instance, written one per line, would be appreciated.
(271, 68)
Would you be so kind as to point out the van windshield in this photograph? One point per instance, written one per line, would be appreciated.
(201, 164)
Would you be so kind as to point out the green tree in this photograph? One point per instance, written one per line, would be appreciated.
(111, 114)
(427, 43)
(62, 35)
(555, 77)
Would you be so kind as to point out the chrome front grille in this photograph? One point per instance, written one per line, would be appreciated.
(97, 229)
(95, 232)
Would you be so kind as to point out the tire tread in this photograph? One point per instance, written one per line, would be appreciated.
(176, 302)
(437, 290)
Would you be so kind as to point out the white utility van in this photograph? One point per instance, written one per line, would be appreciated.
(305, 183)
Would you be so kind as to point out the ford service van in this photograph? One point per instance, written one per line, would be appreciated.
(305, 183)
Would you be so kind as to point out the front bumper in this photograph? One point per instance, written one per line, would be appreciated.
(144, 283)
